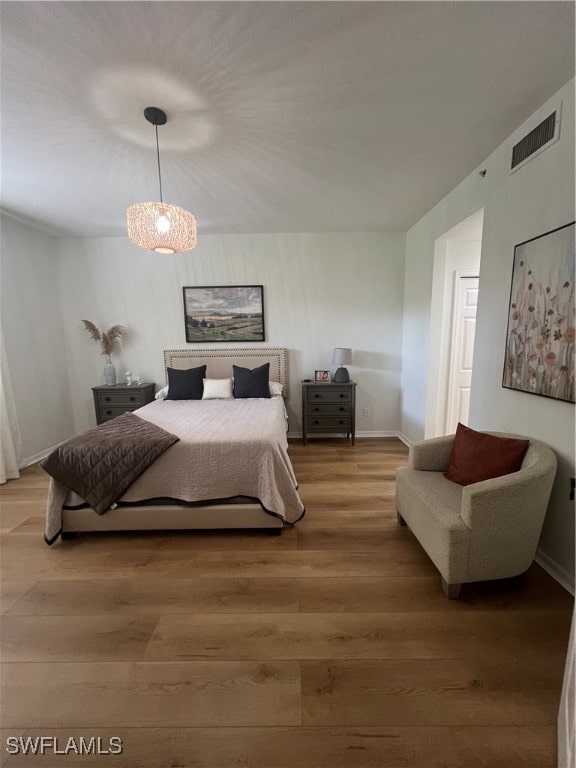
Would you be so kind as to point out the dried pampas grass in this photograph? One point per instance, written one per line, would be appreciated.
(108, 339)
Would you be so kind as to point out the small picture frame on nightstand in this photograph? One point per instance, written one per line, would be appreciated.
(322, 377)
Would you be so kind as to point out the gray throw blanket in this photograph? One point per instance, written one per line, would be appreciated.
(100, 464)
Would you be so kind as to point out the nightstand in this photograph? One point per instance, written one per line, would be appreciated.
(328, 409)
(113, 400)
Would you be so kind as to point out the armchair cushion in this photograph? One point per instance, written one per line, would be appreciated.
(478, 456)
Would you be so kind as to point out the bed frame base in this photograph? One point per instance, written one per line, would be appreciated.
(170, 517)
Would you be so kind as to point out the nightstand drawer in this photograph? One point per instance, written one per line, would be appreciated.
(131, 399)
(105, 413)
(341, 424)
(324, 393)
(328, 409)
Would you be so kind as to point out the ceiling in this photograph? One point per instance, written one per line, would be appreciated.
(282, 116)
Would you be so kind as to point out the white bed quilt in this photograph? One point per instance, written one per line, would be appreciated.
(227, 448)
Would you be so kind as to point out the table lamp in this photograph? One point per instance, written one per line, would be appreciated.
(342, 356)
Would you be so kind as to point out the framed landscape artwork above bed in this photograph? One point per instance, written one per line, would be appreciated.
(223, 313)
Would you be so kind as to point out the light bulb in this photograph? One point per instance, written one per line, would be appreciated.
(162, 225)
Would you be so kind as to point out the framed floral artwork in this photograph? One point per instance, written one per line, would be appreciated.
(539, 355)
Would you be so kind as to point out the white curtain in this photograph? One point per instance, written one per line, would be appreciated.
(567, 713)
(10, 439)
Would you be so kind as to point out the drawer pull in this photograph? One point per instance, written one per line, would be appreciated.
(342, 408)
(316, 395)
(108, 413)
(107, 399)
(316, 421)
(342, 394)
(132, 399)
(341, 421)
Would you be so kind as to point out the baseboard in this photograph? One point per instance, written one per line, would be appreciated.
(364, 433)
(558, 573)
(36, 457)
(405, 440)
(377, 433)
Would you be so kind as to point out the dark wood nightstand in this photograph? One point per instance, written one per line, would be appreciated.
(328, 408)
(113, 400)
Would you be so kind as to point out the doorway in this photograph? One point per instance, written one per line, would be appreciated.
(452, 325)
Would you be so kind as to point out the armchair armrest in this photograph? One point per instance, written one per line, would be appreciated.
(519, 496)
(432, 454)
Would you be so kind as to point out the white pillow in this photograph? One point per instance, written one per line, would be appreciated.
(217, 389)
(161, 394)
(276, 389)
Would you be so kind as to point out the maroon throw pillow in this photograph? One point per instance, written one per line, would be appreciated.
(477, 456)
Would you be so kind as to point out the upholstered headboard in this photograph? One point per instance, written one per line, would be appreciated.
(219, 361)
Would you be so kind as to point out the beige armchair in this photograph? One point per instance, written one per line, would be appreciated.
(487, 530)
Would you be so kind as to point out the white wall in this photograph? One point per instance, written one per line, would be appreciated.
(537, 198)
(320, 291)
(34, 337)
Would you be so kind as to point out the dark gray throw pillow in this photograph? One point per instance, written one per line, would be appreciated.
(252, 383)
(186, 384)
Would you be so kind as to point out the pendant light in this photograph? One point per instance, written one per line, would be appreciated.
(160, 227)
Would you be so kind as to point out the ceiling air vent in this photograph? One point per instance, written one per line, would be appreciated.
(539, 139)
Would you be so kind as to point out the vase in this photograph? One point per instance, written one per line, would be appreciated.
(109, 372)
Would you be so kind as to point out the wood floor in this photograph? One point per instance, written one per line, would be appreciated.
(331, 646)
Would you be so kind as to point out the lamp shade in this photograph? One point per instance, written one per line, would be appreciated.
(342, 356)
(161, 227)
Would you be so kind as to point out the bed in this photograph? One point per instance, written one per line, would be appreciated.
(229, 468)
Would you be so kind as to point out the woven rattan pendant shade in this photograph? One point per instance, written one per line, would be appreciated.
(160, 227)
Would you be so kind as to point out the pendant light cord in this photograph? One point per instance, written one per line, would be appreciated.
(158, 158)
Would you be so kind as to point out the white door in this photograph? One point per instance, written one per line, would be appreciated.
(462, 351)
